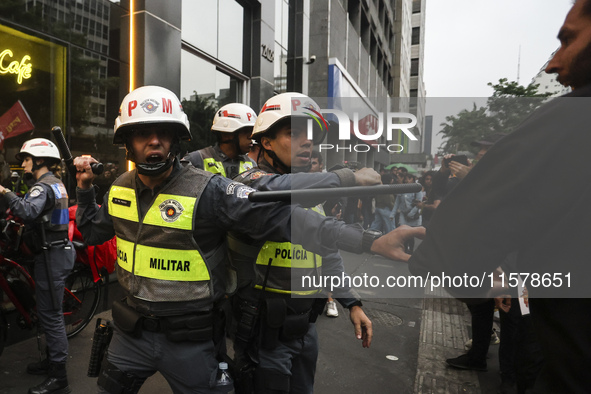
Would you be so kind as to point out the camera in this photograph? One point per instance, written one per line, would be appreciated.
(462, 159)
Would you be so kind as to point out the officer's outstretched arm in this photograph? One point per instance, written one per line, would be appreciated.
(391, 245)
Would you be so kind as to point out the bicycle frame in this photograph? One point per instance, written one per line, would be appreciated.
(5, 286)
(82, 293)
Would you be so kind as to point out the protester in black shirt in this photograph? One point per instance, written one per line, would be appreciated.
(550, 233)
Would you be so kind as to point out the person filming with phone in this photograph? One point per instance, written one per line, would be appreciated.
(458, 165)
(454, 168)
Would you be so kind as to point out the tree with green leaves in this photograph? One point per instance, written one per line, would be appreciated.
(200, 112)
(465, 127)
(509, 105)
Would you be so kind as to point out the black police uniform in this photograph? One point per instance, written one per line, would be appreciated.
(212, 159)
(284, 343)
(188, 364)
(48, 197)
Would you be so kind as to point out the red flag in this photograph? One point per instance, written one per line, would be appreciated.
(15, 121)
(368, 125)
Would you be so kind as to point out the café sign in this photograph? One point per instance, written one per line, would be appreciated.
(22, 69)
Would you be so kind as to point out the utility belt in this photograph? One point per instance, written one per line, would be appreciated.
(55, 236)
(280, 319)
(192, 327)
(32, 239)
(265, 323)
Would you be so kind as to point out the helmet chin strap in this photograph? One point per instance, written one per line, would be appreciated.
(284, 169)
(154, 169)
(27, 176)
(234, 141)
(35, 165)
(277, 163)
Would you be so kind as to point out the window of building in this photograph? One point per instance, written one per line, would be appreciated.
(365, 31)
(40, 91)
(280, 68)
(414, 67)
(205, 88)
(280, 47)
(202, 79)
(416, 6)
(215, 27)
(281, 22)
(90, 86)
(231, 33)
(416, 36)
(353, 9)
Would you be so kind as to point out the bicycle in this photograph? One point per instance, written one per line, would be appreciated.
(17, 287)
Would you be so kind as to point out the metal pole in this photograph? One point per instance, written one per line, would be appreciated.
(304, 195)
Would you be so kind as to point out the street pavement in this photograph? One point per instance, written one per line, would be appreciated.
(413, 336)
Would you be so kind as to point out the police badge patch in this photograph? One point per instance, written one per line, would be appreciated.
(231, 187)
(35, 191)
(244, 191)
(149, 106)
(170, 210)
(257, 175)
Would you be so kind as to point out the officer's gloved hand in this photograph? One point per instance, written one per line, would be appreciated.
(367, 177)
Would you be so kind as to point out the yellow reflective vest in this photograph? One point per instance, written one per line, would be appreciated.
(157, 255)
(211, 162)
(282, 262)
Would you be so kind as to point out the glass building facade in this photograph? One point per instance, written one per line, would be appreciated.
(60, 66)
(69, 63)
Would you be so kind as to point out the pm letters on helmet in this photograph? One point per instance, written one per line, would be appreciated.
(166, 106)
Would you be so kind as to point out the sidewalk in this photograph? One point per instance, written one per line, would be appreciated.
(412, 339)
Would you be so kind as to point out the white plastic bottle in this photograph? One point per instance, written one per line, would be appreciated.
(224, 383)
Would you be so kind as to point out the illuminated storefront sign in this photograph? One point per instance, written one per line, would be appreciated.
(33, 71)
(22, 69)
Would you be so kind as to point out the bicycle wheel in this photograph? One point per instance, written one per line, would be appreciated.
(81, 299)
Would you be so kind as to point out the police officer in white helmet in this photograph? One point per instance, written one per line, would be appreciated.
(286, 347)
(170, 221)
(16, 184)
(44, 209)
(232, 125)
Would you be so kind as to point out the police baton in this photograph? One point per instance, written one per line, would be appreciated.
(301, 196)
(48, 272)
(62, 145)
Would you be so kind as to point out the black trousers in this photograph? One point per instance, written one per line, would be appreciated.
(482, 323)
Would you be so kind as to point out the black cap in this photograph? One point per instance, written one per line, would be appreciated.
(488, 140)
